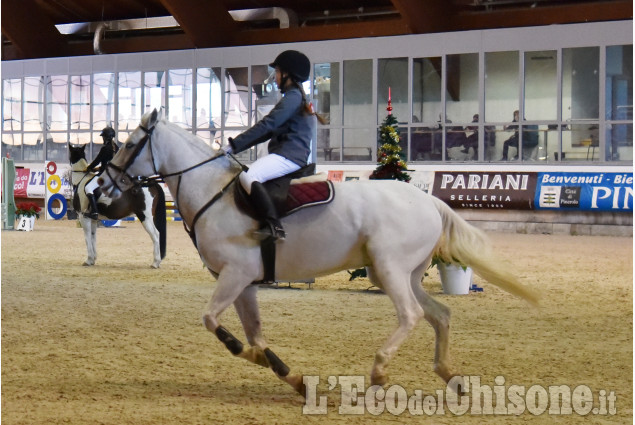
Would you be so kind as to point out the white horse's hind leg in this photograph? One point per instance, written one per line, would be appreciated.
(438, 315)
(154, 235)
(396, 285)
(89, 238)
(247, 308)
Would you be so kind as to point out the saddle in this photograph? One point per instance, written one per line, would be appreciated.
(289, 194)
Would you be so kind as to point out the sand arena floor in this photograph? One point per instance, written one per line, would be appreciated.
(120, 343)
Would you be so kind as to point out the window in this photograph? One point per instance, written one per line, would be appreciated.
(358, 111)
(541, 86)
(208, 104)
(619, 103)
(326, 101)
(461, 99)
(154, 90)
(57, 119)
(129, 104)
(180, 97)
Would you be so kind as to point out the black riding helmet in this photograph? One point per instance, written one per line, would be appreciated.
(294, 63)
(108, 133)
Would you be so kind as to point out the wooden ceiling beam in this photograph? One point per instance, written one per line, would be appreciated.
(32, 33)
(207, 22)
(425, 16)
(547, 15)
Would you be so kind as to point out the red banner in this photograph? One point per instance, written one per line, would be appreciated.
(21, 182)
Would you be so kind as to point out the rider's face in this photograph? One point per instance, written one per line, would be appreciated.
(278, 77)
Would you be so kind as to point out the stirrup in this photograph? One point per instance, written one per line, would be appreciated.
(270, 230)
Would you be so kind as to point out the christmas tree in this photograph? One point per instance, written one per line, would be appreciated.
(390, 159)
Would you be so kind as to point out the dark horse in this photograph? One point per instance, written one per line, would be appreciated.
(145, 202)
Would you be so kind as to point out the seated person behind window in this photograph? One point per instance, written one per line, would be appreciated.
(472, 139)
(513, 140)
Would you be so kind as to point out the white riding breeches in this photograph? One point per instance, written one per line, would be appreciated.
(91, 185)
(267, 168)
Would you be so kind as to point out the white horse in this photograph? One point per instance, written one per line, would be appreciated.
(392, 228)
(147, 203)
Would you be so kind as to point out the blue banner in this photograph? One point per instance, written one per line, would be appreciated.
(585, 191)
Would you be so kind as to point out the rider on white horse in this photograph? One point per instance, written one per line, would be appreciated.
(105, 155)
(290, 126)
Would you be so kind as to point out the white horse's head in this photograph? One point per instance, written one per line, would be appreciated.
(134, 161)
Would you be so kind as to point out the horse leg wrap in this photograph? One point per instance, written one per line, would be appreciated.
(230, 341)
(277, 365)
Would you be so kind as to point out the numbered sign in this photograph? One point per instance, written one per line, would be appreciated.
(26, 223)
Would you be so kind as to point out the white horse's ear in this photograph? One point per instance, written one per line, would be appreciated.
(154, 117)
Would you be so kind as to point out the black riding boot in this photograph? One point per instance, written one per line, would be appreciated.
(92, 207)
(262, 203)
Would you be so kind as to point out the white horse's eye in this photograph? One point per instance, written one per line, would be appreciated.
(129, 145)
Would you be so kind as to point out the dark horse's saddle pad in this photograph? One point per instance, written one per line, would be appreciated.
(289, 198)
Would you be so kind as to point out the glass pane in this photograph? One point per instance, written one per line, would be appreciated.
(154, 90)
(326, 95)
(455, 144)
(541, 85)
(358, 94)
(130, 108)
(461, 88)
(502, 89)
(180, 97)
(104, 101)
(12, 146)
(236, 97)
(619, 82)
(425, 143)
(392, 78)
(580, 142)
(57, 101)
(80, 102)
(357, 146)
(208, 104)
(329, 144)
(426, 90)
(57, 147)
(264, 96)
(547, 149)
(619, 142)
(580, 83)
(12, 107)
(34, 147)
(79, 138)
(33, 103)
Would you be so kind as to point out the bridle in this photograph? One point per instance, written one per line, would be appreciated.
(158, 177)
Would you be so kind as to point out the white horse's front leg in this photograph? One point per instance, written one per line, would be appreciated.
(233, 287)
(154, 235)
(89, 238)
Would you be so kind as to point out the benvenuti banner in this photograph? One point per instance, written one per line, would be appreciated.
(585, 191)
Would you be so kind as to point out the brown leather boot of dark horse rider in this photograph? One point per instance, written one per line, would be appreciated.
(262, 203)
(92, 207)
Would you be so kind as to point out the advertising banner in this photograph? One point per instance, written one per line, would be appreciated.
(585, 191)
(486, 190)
(31, 182)
(22, 176)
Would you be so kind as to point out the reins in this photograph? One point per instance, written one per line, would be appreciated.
(158, 177)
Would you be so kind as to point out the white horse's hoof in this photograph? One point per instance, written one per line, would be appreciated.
(87, 264)
(155, 266)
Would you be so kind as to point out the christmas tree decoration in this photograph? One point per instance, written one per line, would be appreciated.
(391, 162)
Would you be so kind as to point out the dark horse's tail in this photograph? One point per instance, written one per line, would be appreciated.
(159, 217)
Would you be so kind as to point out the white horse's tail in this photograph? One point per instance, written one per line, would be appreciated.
(463, 243)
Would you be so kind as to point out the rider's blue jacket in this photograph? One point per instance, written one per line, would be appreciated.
(289, 127)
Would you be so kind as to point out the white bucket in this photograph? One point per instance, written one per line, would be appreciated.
(25, 223)
(454, 279)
